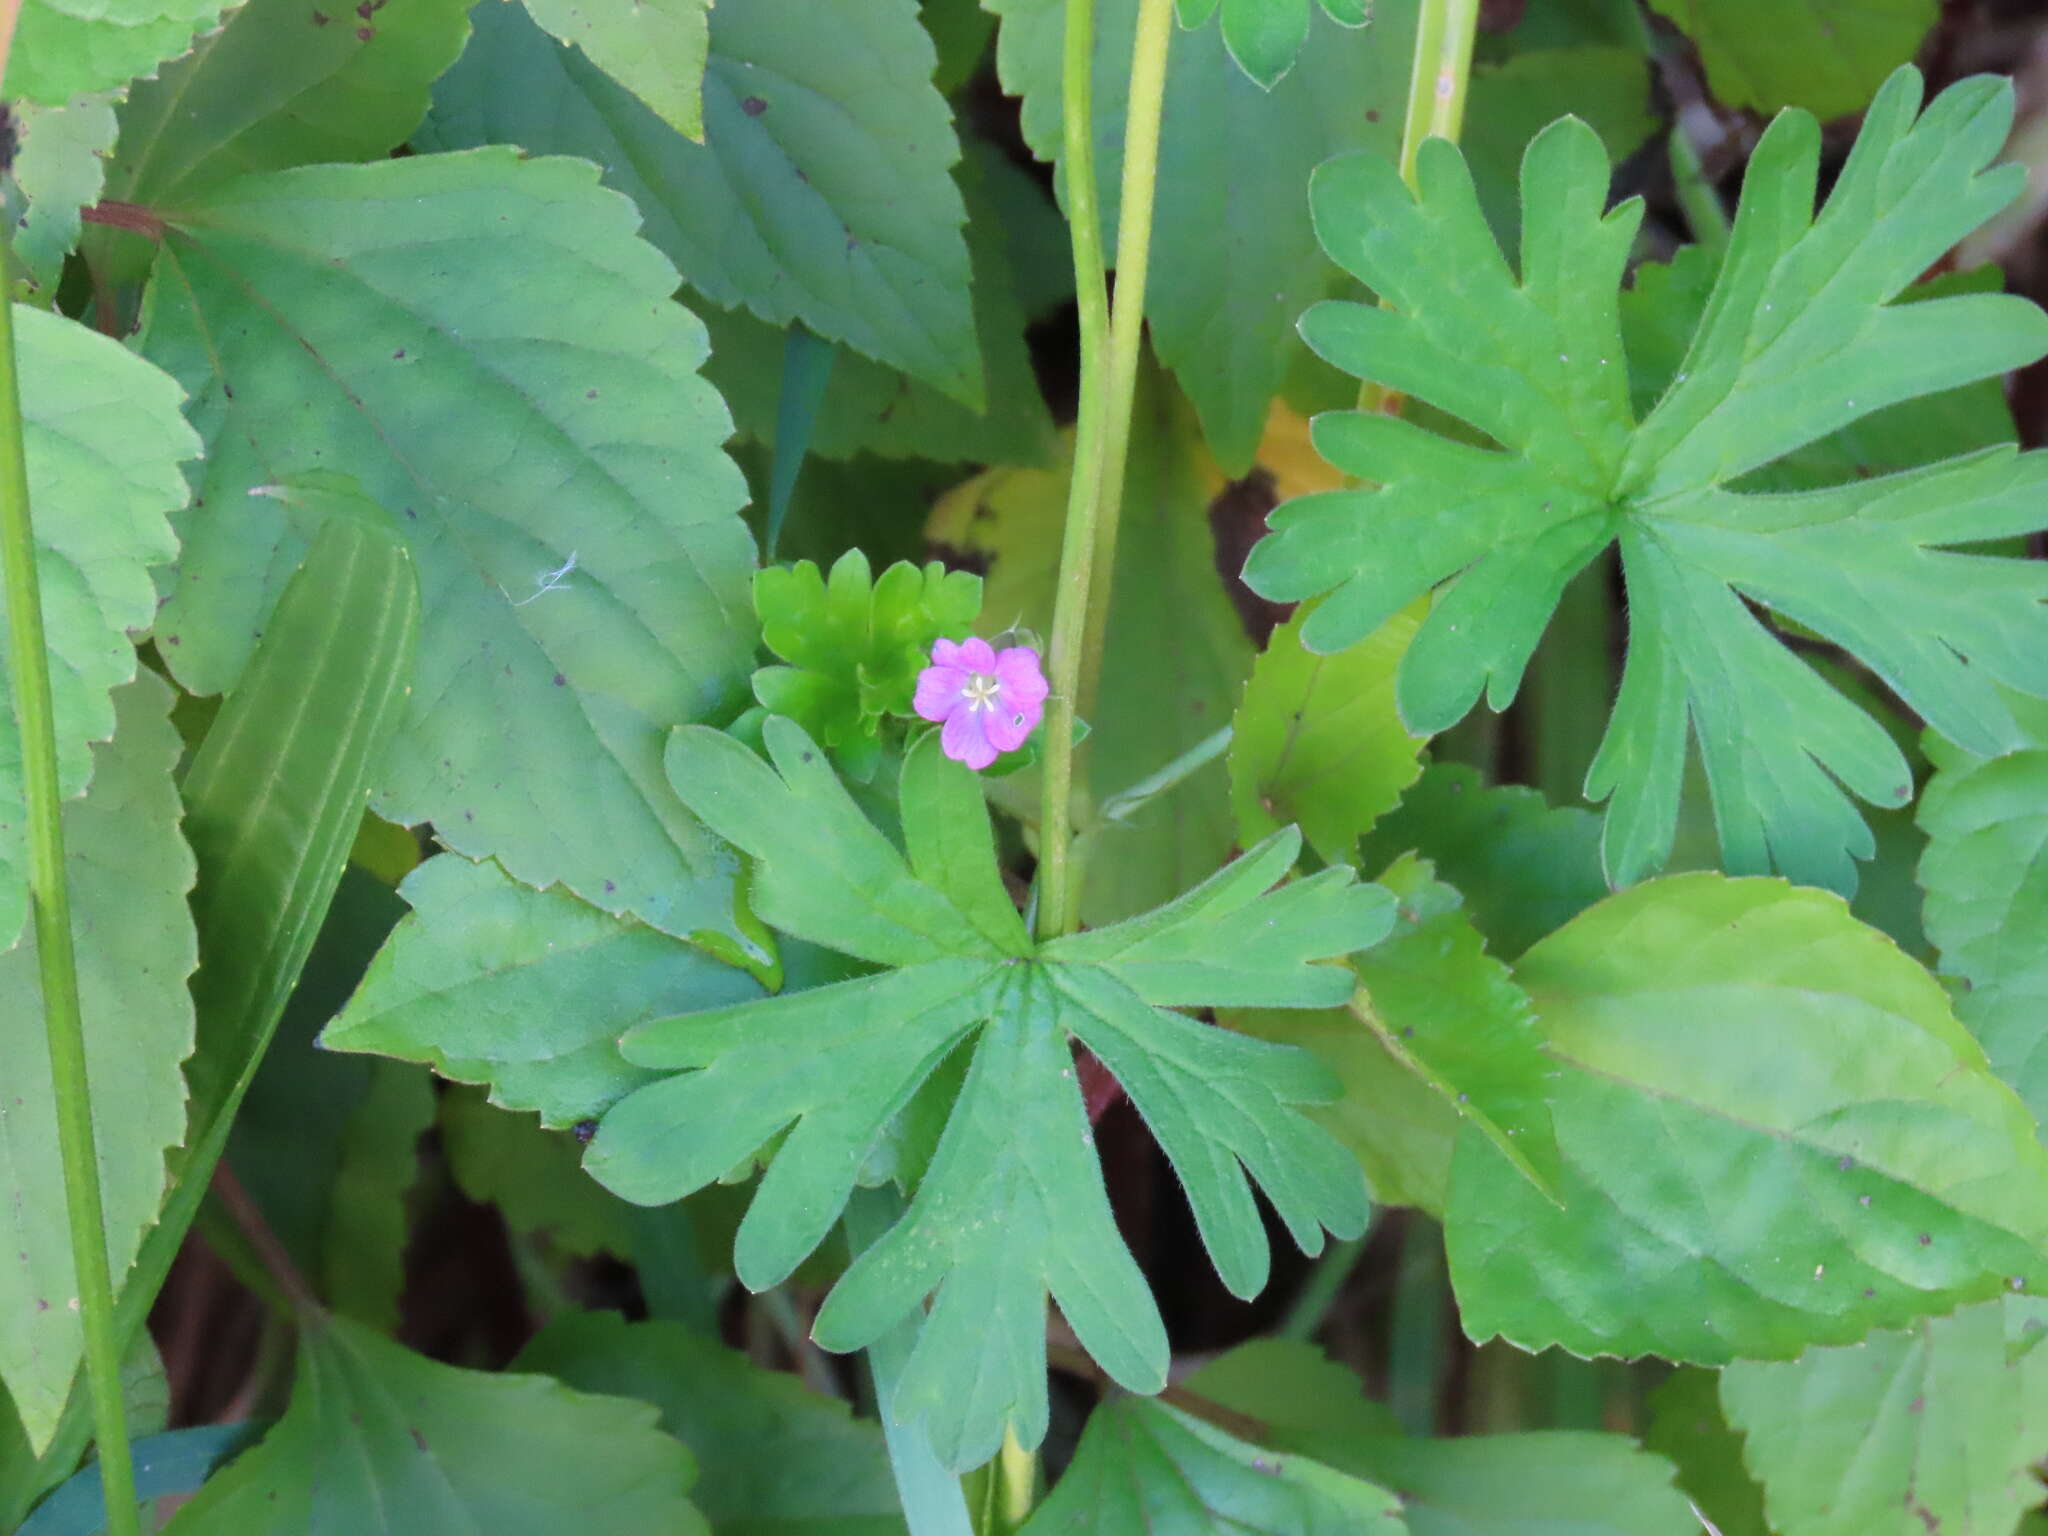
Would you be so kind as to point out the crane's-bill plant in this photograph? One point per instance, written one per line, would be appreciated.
(1799, 338)
(409, 689)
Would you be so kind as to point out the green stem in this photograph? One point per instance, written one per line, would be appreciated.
(1320, 1291)
(56, 962)
(1704, 211)
(1199, 756)
(1108, 387)
(1070, 602)
(1438, 79)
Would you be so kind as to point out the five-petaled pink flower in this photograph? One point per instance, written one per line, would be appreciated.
(990, 700)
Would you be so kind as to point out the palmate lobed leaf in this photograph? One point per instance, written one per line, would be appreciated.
(1799, 338)
(1013, 1205)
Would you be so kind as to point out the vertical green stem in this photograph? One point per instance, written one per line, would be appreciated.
(1320, 1291)
(51, 904)
(1439, 77)
(1109, 374)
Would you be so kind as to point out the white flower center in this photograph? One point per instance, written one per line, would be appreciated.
(980, 692)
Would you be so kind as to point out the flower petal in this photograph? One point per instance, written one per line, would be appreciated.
(939, 690)
(977, 655)
(1023, 680)
(945, 653)
(963, 739)
(1008, 728)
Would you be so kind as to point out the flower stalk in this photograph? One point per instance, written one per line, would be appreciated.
(50, 902)
(1102, 433)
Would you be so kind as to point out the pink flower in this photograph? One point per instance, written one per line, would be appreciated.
(990, 700)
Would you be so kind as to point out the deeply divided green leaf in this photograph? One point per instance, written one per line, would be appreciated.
(1800, 337)
(1013, 1205)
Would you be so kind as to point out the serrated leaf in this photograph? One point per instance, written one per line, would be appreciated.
(1524, 868)
(284, 83)
(1456, 1016)
(489, 981)
(382, 1441)
(829, 101)
(1317, 740)
(59, 167)
(67, 48)
(129, 873)
(1687, 1425)
(1774, 1134)
(1935, 1429)
(1229, 206)
(534, 1177)
(1986, 877)
(832, 1066)
(554, 467)
(103, 438)
(1827, 56)
(1547, 1484)
(1401, 1130)
(655, 50)
(1799, 339)
(748, 1426)
(871, 408)
(1145, 1466)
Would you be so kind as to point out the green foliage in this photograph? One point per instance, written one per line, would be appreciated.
(523, 398)
(534, 1177)
(1524, 868)
(129, 874)
(1144, 1466)
(775, 1459)
(67, 48)
(1245, 261)
(103, 438)
(1939, 1428)
(1799, 339)
(1986, 821)
(861, 239)
(1456, 1017)
(489, 981)
(855, 645)
(381, 1441)
(1016, 1157)
(327, 1144)
(1317, 741)
(1481, 1485)
(1847, 1160)
(1265, 35)
(657, 51)
(1827, 55)
(59, 168)
(283, 83)
(1687, 1425)
(872, 408)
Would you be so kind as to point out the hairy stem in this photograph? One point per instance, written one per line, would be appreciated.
(1109, 375)
(51, 903)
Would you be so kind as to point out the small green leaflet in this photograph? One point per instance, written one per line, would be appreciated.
(856, 644)
(1824, 55)
(1013, 1205)
(1264, 36)
(655, 50)
(1799, 338)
